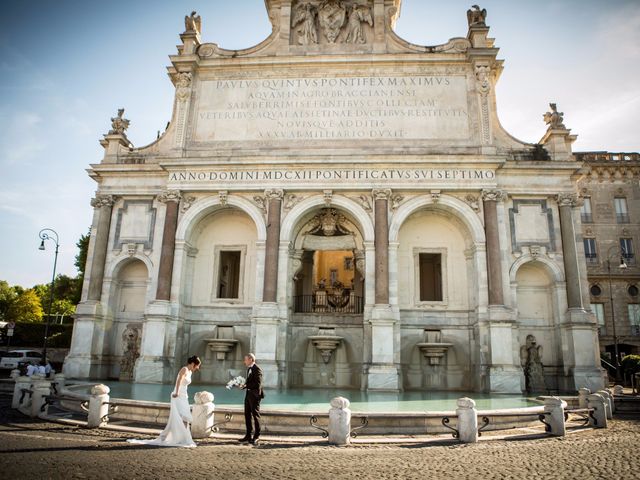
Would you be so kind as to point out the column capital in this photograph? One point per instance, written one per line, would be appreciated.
(170, 196)
(569, 200)
(103, 201)
(493, 195)
(274, 194)
(381, 193)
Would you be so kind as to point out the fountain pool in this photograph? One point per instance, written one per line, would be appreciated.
(310, 400)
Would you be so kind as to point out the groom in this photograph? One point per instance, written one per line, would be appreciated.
(252, 399)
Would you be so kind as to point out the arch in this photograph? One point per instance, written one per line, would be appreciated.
(550, 266)
(119, 263)
(445, 202)
(204, 207)
(301, 209)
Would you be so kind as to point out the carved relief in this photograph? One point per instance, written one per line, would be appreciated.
(435, 196)
(396, 200)
(493, 195)
(119, 124)
(102, 201)
(332, 15)
(305, 19)
(554, 118)
(475, 16)
(483, 86)
(328, 196)
(131, 339)
(192, 23)
(274, 194)
(183, 92)
(291, 200)
(261, 202)
(328, 222)
(187, 202)
(358, 15)
(183, 85)
(223, 196)
(381, 193)
(567, 200)
(365, 202)
(473, 201)
(170, 196)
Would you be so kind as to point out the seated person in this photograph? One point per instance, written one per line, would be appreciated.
(31, 369)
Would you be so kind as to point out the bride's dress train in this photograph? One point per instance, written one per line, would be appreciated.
(176, 433)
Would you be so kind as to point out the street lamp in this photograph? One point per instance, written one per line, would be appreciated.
(49, 234)
(622, 266)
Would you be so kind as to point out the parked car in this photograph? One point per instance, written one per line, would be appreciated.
(18, 358)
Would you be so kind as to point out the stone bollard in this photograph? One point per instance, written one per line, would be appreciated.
(583, 393)
(14, 374)
(340, 422)
(618, 390)
(202, 413)
(598, 418)
(98, 408)
(60, 382)
(41, 388)
(608, 402)
(554, 415)
(467, 420)
(21, 383)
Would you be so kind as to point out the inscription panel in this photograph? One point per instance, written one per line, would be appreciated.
(344, 108)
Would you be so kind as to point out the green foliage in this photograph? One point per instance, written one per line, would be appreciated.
(630, 364)
(26, 307)
(81, 257)
(66, 290)
(29, 335)
(7, 297)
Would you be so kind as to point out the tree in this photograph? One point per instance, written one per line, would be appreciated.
(66, 291)
(7, 297)
(81, 257)
(25, 308)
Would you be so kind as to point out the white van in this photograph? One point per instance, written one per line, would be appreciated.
(15, 358)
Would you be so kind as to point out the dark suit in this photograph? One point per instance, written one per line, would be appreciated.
(252, 400)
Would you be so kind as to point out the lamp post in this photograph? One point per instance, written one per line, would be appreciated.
(49, 234)
(622, 266)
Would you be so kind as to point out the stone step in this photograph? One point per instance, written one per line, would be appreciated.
(627, 404)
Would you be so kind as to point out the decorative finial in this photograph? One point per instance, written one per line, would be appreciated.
(193, 23)
(554, 118)
(475, 16)
(118, 123)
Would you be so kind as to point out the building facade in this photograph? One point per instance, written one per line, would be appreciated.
(346, 205)
(610, 218)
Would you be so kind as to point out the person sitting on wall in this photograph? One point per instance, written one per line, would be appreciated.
(31, 369)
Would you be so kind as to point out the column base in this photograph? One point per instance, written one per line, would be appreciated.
(383, 378)
(505, 379)
(584, 377)
(85, 366)
(152, 370)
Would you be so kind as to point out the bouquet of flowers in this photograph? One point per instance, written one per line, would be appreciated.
(236, 382)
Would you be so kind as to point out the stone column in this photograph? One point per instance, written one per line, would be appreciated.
(494, 264)
(339, 422)
(172, 199)
(566, 203)
(381, 198)
(274, 201)
(104, 204)
(467, 420)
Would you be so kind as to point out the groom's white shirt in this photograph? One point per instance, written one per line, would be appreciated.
(249, 368)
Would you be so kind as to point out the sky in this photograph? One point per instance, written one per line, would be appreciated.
(66, 66)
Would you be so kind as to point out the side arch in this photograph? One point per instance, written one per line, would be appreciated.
(445, 202)
(205, 206)
(550, 266)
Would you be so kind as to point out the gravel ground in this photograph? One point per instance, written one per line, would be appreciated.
(36, 449)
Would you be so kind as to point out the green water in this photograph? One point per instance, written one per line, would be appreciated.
(306, 400)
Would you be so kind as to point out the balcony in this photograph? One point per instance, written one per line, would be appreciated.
(622, 217)
(328, 303)
(592, 258)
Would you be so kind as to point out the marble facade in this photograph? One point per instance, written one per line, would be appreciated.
(334, 134)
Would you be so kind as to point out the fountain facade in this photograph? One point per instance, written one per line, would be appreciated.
(431, 248)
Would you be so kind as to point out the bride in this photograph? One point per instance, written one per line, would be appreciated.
(177, 433)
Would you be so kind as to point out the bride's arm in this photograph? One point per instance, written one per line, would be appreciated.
(178, 380)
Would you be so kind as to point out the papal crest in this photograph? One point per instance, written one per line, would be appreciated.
(332, 15)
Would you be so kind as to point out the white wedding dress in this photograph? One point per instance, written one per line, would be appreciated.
(176, 433)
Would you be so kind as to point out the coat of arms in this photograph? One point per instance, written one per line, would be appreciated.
(332, 15)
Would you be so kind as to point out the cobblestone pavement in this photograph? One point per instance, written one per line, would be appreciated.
(35, 449)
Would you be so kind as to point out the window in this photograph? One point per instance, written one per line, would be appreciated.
(633, 290)
(634, 318)
(229, 274)
(590, 252)
(586, 212)
(430, 265)
(622, 214)
(596, 291)
(598, 310)
(626, 247)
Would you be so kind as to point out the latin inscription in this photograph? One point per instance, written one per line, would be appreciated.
(420, 107)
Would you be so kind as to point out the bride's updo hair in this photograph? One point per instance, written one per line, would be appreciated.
(194, 359)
